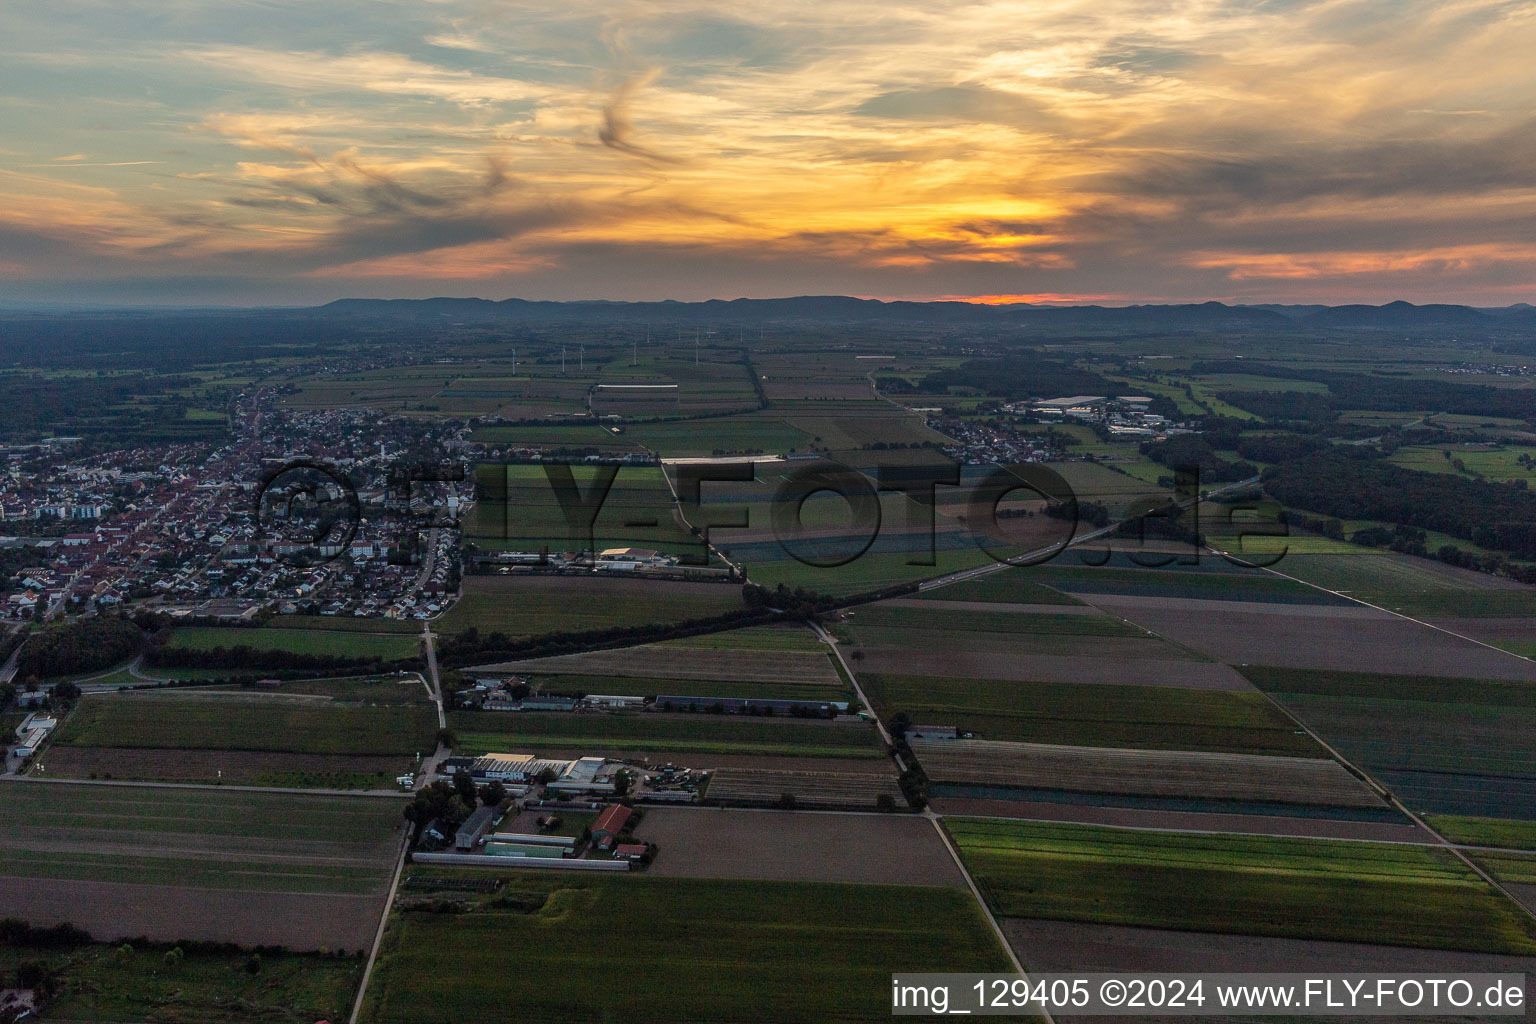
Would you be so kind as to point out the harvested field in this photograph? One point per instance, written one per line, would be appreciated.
(1299, 888)
(1398, 829)
(895, 849)
(1163, 773)
(223, 865)
(1512, 633)
(1103, 668)
(655, 661)
(171, 913)
(1347, 642)
(859, 790)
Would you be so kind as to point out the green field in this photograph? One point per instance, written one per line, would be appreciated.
(651, 686)
(349, 643)
(1209, 582)
(1093, 714)
(938, 617)
(645, 949)
(104, 982)
(247, 723)
(521, 510)
(1006, 586)
(527, 606)
(1415, 723)
(344, 623)
(871, 571)
(483, 731)
(788, 637)
(198, 837)
(1513, 835)
(1413, 586)
(386, 689)
(1302, 888)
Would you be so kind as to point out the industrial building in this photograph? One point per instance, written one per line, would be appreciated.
(585, 775)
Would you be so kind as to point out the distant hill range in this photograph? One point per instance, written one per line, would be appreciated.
(1394, 316)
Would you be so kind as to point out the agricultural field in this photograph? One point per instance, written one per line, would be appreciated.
(1093, 714)
(174, 863)
(1231, 778)
(1496, 462)
(749, 433)
(1413, 586)
(521, 510)
(1452, 746)
(782, 951)
(1472, 831)
(528, 606)
(1006, 586)
(1391, 894)
(639, 732)
(241, 738)
(892, 849)
(101, 981)
(856, 790)
(656, 662)
(241, 722)
(350, 643)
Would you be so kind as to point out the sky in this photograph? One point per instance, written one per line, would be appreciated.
(271, 153)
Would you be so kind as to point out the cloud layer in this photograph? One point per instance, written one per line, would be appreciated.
(1252, 150)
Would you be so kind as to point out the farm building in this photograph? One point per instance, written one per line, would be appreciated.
(629, 851)
(547, 703)
(608, 700)
(474, 828)
(932, 732)
(609, 824)
(753, 706)
(454, 765)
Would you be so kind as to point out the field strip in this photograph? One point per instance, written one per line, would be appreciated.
(976, 895)
(1492, 882)
(1227, 832)
(393, 794)
(1361, 601)
(378, 935)
(1141, 772)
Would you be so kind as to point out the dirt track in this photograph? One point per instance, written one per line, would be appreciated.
(900, 849)
(112, 910)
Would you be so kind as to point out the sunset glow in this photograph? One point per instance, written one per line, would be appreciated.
(1000, 152)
